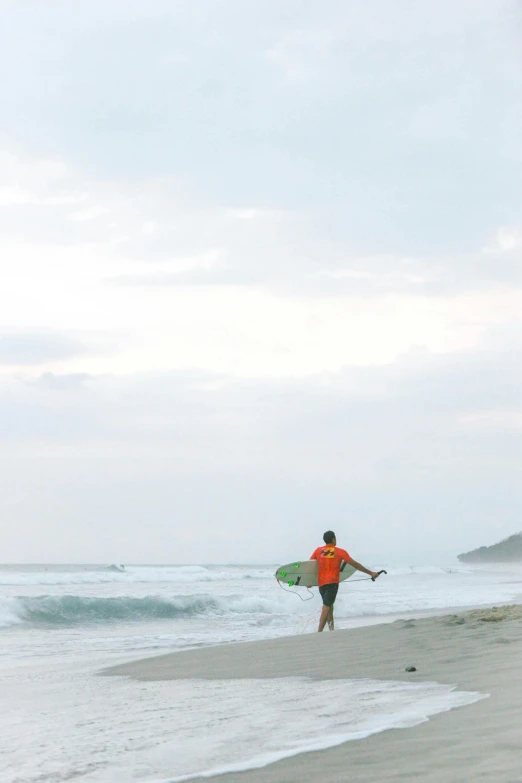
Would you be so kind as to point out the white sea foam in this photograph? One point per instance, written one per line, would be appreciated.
(107, 729)
(130, 575)
(344, 711)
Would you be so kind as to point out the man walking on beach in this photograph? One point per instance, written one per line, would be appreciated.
(329, 560)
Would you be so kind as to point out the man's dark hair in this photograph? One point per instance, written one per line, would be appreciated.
(328, 537)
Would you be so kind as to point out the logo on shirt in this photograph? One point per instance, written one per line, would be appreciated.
(328, 552)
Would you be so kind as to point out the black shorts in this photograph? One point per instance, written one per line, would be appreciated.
(329, 593)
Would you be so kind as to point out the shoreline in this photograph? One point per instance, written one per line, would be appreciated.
(478, 650)
(353, 624)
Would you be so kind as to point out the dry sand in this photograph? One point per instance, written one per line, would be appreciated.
(479, 650)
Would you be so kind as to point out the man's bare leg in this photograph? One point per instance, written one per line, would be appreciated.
(324, 617)
(330, 619)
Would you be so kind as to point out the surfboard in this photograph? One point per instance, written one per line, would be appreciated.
(303, 573)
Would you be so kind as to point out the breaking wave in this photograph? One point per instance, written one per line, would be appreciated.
(72, 610)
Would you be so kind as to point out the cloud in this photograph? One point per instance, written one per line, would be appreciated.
(34, 348)
(158, 237)
(195, 277)
(401, 130)
(421, 396)
(60, 382)
(90, 213)
(507, 240)
(416, 456)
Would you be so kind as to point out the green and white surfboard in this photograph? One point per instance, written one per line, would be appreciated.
(303, 573)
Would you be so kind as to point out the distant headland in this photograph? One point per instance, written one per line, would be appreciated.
(507, 551)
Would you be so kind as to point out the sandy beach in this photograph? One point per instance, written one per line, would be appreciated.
(478, 650)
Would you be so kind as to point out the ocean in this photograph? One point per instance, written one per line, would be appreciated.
(61, 624)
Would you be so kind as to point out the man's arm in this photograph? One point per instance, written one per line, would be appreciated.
(359, 567)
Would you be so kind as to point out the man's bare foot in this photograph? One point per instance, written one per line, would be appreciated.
(331, 625)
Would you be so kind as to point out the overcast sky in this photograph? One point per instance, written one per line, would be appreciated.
(261, 275)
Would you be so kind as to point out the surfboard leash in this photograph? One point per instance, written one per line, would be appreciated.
(294, 593)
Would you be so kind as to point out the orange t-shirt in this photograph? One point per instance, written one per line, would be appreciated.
(329, 559)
